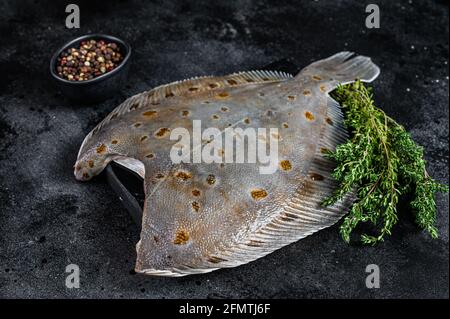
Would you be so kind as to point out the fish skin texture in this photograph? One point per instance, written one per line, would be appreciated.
(201, 217)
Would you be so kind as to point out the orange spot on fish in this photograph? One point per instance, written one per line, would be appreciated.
(195, 206)
(181, 237)
(258, 194)
(211, 179)
(150, 113)
(285, 165)
(223, 95)
(162, 132)
(101, 149)
(183, 175)
(309, 116)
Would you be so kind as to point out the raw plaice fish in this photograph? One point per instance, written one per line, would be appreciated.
(199, 217)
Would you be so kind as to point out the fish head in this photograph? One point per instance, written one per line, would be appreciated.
(91, 162)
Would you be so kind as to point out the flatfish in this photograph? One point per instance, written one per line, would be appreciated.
(202, 215)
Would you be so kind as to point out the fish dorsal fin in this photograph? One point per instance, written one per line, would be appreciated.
(208, 83)
(190, 86)
(197, 85)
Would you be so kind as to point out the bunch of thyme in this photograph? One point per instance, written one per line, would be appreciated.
(379, 162)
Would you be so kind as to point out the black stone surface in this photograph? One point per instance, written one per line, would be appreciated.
(49, 220)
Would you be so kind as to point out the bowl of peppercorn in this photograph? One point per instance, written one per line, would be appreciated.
(91, 68)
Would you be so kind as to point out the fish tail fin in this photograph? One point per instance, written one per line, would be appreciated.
(341, 68)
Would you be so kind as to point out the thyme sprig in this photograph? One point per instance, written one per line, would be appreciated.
(380, 162)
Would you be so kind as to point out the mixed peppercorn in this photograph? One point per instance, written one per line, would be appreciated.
(92, 59)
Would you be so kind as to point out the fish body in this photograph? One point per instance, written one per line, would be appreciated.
(199, 217)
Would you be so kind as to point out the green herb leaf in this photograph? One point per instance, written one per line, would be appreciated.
(379, 163)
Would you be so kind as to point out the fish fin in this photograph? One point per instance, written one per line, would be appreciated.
(189, 86)
(209, 83)
(132, 164)
(301, 216)
(341, 68)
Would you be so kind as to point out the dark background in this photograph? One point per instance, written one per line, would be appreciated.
(49, 220)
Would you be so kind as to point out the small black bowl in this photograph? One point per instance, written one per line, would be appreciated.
(101, 87)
